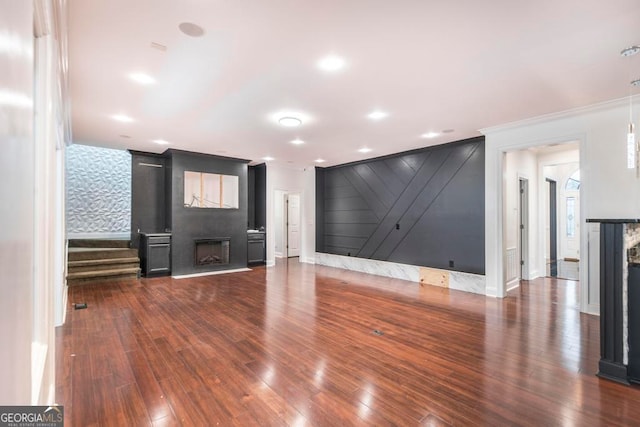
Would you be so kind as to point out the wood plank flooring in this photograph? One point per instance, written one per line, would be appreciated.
(294, 345)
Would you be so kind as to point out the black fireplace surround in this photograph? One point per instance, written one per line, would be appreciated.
(214, 251)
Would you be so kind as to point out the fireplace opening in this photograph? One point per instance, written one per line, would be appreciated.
(212, 251)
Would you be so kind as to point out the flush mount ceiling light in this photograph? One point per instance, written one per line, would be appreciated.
(319, 160)
(430, 134)
(331, 63)
(365, 150)
(161, 142)
(122, 118)
(377, 115)
(190, 29)
(289, 121)
(297, 141)
(268, 158)
(143, 79)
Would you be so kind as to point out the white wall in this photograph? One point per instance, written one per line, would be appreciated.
(609, 190)
(521, 164)
(17, 207)
(308, 220)
(33, 132)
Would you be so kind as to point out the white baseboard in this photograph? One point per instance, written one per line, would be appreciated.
(308, 260)
(210, 273)
(513, 283)
(125, 235)
(593, 309)
(279, 255)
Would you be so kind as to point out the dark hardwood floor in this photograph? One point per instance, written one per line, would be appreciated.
(294, 345)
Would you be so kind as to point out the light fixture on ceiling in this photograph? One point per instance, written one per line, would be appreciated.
(319, 160)
(268, 158)
(365, 150)
(632, 145)
(430, 135)
(297, 141)
(289, 121)
(448, 131)
(190, 29)
(377, 115)
(122, 118)
(142, 78)
(331, 63)
(161, 142)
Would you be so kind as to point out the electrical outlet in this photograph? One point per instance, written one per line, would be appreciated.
(451, 263)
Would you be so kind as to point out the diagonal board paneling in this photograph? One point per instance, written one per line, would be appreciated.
(422, 208)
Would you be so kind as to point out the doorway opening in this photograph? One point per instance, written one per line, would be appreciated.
(541, 199)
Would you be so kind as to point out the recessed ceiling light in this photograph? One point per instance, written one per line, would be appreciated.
(630, 51)
(122, 118)
(290, 122)
(190, 29)
(143, 79)
(365, 150)
(430, 134)
(161, 142)
(319, 160)
(377, 115)
(297, 142)
(331, 63)
(268, 158)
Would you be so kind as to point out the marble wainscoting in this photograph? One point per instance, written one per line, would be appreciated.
(459, 281)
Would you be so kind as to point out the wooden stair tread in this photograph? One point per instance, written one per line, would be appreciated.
(88, 262)
(103, 273)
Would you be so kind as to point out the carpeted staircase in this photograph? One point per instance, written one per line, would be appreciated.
(98, 260)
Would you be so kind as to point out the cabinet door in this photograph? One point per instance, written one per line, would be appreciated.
(159, 258)
(255, 251)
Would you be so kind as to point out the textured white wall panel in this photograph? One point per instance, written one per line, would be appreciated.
(98, 190)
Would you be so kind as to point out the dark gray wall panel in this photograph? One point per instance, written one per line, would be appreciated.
(350, 217)
(189, 224)
(320, 218)
(423, 207)
(261, 196)
(147, 195)
(346, 204)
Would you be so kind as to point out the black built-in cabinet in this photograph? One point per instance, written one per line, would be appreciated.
(155, 254)
(256, 248)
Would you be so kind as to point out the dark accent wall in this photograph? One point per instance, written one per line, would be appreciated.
(261, 196)
(147, 194)
(423, 207)
(251, 209)
(189, 224)
(257, 177)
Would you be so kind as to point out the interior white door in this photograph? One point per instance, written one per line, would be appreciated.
(293, 224)
(572, 224)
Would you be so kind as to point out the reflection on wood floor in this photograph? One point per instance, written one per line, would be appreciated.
(295, 345)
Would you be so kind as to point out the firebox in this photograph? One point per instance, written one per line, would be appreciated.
(211, 251)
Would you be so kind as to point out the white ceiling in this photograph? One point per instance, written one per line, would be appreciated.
(432, 65)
